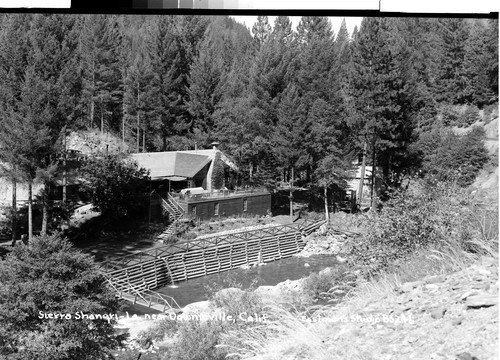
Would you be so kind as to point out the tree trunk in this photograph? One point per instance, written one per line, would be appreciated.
(123, 123)
(45, 210)
(14, 211)
(64, 185)
(138, 121)
(102, 122)
(362, 178)
(92, 113)
(372, 190)
(92, 102)
(144, 139)
(30, 211)
(291, 196)
(327, 215)
(138, 136)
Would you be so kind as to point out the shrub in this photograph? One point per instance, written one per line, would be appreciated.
(331, 284)
(450, 115)
(197, 340)
(156, 332)
(218, 173)
(117, 187)
(49, 277)
(427, 215)
(469, 116)
(490, 112)
(455, 158)
(233, 300)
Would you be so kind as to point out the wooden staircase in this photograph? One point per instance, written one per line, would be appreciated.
(174, 211)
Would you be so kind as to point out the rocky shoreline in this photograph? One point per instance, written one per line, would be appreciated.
(327, 241)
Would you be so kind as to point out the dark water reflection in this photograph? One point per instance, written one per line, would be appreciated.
(272, 273)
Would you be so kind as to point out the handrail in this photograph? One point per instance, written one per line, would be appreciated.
(148, 295)
(205, 240)
(219, 194)
(177, 206)
(130, 286)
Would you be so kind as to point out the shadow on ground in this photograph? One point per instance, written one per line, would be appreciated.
(111, 241)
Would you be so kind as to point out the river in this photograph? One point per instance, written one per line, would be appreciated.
(272, 273)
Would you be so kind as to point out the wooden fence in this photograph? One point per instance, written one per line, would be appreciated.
(206, 255)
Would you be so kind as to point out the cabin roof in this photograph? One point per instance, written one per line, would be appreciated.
(171, 164)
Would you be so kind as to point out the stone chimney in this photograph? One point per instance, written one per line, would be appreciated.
(214, 145)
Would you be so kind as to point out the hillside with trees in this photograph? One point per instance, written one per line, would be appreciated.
(292, 107)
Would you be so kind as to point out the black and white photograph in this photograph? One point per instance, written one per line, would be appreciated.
(259, 185)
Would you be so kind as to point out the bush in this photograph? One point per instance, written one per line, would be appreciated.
(331, 284)
(450, 115)
(233, 300)
(490, 113)
(425, 216)
(197, 340)
(156, 332)
(453, 157)
(469, 116)
(116, 186)
(49, 277)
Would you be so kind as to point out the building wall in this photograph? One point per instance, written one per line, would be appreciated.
(206, 209)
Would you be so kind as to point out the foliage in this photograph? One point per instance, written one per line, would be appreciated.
(156, 332)
(235, 301)
(422, 217)
(218, 173)
(116, 185)
(450, 157)
(469, 116)
(283, 100)
(490, 113)
(450, 115)
(49, 276)
(331, 284)
(197, 340)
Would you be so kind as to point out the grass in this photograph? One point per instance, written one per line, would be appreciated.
(291, 335)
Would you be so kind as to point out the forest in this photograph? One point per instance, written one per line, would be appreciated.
(280, 101)
(289, 105)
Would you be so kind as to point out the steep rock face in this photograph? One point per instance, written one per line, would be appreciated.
(439, 317)
(91, 141)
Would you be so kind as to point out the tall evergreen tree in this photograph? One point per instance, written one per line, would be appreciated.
(261, 30)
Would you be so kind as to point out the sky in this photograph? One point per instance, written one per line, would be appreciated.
(336, 22)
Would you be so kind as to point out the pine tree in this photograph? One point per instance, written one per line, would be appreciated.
(382, 88)
(452, 79)
(99, 51)
(206, 76)
(261, 30)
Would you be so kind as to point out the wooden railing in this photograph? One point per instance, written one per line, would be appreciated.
(137, 273)
(149, 298)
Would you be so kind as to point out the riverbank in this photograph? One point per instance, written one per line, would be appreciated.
(448, 316)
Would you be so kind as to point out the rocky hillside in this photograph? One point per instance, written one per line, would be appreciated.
(92, 141)
(451, 316)
(444, 317)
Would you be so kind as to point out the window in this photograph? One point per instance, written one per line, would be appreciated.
(245, 204)
(216, 209)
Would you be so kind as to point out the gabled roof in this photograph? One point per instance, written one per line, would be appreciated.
(173, 164)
